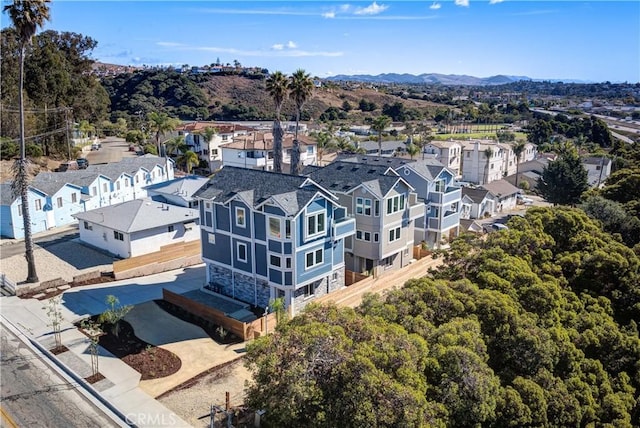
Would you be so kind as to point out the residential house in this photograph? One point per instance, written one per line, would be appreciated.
(449, 153)
(179, 191)
(137, 227)
(482, 161)
(385, 207)
(11, 221)
(62, 201)
(469, 225)
(598, 170)
(389, 148)
(434, 185)
(255, 151)
(210, 151)
(476, 203)
(267, 235)
(505, 194)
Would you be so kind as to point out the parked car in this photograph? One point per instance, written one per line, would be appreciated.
(95, 146)
(68, 166)
(523, 200)
(83, 163)
(494, 226)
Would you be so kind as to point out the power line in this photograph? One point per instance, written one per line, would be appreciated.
(47, 110)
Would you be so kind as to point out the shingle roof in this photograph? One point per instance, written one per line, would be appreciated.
(128, 166)
(343, 177)
(428, 167)
(256, 186)
(501, 188)
(51, 182)
(264, 141)
(476, 195)
(137, 215)
(6, 194)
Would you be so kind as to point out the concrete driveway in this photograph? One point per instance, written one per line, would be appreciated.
(197, 351)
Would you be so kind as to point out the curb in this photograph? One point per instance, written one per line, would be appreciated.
(68, 375)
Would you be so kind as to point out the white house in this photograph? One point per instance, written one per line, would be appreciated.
(476, 203)
(482, 161)
(598, 170)
(449, 153)
(210, 151)
(505, 194)
(137, 227)
(178, 192)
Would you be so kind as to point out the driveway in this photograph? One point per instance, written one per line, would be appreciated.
(197, 351)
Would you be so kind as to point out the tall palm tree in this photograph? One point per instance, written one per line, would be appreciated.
(413, 150)
(176, 145)
(379, 124)
(518, 148)
(300, 89)
(160, 124)
(277, 88)
(325, 143)
(26, 16)
(208, 134)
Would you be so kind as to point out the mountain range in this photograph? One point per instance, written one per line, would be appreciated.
(437, 79)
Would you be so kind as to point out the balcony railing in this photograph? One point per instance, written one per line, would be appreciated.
(450, 195)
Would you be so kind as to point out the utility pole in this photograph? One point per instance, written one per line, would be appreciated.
(66, 120)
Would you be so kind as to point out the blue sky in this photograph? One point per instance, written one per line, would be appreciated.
(591, 41)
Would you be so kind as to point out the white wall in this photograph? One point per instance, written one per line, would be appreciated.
(148, 241)
(102, 237)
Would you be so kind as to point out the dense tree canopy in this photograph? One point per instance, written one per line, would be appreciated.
(565, 179)
(534, 326)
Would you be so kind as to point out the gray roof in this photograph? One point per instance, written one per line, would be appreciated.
(387, 146)
(343, 177)
(51, 182)
(184, 187)
(501, 188)
(137, 215)
(292, 192)
(127, 165)
(475, 194)
(429, 167)
(6, 194)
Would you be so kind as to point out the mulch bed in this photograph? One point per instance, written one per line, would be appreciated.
(58, 350)
(150, 361)
(99, 280)
(94, 378)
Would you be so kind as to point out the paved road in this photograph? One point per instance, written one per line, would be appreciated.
(15, 248)
(33, 395)
(113, 150)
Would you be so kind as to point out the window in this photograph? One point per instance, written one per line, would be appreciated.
(309, 150)
(211, 238)
(94, 191)
(104, 187)
(74, 198)
(314, 258)
(19, 210)
(126, 182)
(38, 204)
(275, 261)
(240, 217)
(137, 179)
(394, 234)
(376, 237)
(242, 251)
(363, 206)
(59, 202)
(315, 224)
(334, 277)
(363, 236)
(117, 185)
(171, 228)
(309, 290)
(118, 235)
(274, 227)
(395, 204)
(376, 208)
(287, 229)
(440, 186)
(287, 262)
(87, 226)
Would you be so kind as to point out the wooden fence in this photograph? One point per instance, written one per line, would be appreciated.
(351, 277)
(419, 252)
(172, 256)
(243, 330)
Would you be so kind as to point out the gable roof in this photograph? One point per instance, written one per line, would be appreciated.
(501, 188)
(429, 168)
(137, 215)
(51, 182)
(264, 141)
(291, 192)
(128, 166)
(344, 177)
(475, 194)
(6, 194)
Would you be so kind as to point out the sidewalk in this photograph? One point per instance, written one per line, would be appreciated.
(121, 384)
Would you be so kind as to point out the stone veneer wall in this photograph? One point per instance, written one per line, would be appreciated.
(323, 286)
(221, 280)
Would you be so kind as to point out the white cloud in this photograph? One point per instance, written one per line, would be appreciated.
(464, 3)
(435, 6)
(331, 14)
(291, 45)
(373, 9)
(277, 47)
(345, 7)
(170, 44)
(495, 1)
(269, 53)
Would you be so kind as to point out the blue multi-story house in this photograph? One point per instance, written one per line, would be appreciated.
(268, 235)
(11, 221)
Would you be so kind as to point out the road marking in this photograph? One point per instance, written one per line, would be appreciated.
(7, 418)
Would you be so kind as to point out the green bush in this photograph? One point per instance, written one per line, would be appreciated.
(150, 149)
(34, 151)
(8, 149)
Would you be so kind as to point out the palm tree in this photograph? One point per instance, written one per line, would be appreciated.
(208, 134)
(413, 150)
(189, 159)
(488, 153)
(277, 88)
(325, 143)
(379, 124)
(26, 16)
(176, 144)
(518, 148)
(300, 88)
(161, 123)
